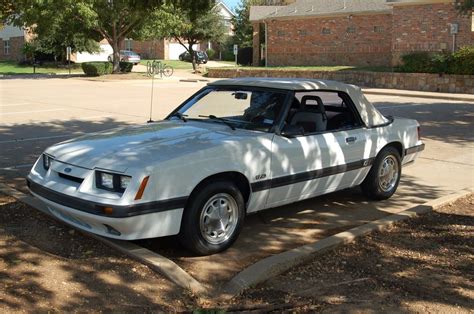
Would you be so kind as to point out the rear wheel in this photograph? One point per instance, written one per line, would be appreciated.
(384, 176)
(213, 219)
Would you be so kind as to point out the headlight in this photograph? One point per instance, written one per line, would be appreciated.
(111, 181)
(47, 160)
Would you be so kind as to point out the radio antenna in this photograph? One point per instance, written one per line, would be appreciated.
(152, 70)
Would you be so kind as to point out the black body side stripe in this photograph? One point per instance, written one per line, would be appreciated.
(414, 149)
(97, 208)
(310, 175)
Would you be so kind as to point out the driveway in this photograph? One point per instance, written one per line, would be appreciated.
(52, 110)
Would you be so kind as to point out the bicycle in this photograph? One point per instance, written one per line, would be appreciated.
(157, 67)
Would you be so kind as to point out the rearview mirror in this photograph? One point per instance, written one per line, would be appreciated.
(292, 130)
(240, 95)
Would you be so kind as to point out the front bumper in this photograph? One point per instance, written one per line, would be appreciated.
(151, 221)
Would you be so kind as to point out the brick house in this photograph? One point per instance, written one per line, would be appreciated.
(12, 40)
(354, 32)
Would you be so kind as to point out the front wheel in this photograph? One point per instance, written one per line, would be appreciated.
(213, 218)
(384, 176)
(167, 71)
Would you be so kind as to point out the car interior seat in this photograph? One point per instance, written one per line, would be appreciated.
(311, 117)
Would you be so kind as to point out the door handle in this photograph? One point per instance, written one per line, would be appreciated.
(351, 139)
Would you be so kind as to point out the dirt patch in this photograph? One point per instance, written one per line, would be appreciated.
(422, 265)
(46, 266)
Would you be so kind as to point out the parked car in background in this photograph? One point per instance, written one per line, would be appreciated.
(200, 56)
(127, 56)
(236, 147)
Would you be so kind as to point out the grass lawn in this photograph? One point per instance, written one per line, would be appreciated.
(323, 68)
(176, 64)
(12, 67)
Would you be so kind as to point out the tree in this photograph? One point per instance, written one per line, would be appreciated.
(54, 31)
(113, 20)
(465, 6)
(243, 31)
(187, 25)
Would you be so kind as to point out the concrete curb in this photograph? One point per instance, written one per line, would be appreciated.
(153, 260)
(417, 95)
(279, 263)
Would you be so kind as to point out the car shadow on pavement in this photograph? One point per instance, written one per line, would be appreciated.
(287, 227)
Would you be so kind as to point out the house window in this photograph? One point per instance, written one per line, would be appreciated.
(302, 32)
(378, 29)
(326, 31)
(281, 33)
(6, 47)
(351, 29)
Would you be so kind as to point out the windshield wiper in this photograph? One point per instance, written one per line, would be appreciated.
(180, 116)
(213, 117)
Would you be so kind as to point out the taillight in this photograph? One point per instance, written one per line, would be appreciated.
(418, 129)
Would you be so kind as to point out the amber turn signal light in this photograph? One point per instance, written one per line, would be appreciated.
(142, 187)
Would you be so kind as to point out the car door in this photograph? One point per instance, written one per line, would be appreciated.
(317, 163)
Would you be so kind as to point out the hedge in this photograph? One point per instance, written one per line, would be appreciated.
(97, 68)
(460, 62)
(126, 67)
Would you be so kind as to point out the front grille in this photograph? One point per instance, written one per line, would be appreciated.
(71, 178)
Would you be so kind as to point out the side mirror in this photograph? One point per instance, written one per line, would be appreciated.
(292, 130)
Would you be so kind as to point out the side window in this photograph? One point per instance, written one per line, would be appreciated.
(321, 111)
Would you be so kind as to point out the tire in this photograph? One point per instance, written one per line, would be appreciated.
(199, 236)
(109, 59)
(380, 185)
(167, 71)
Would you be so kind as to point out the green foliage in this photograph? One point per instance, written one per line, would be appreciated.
(211, 53)
(126, 67)
(227, 49)
(97, 68)
(460, 62)
(186, 25)
(243, 29)
(465, 7)
(463, 61)
(416, 62)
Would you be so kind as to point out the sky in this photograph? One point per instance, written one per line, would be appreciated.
(232, 4)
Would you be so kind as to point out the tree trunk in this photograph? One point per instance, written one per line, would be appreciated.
(193, 57)
(116, 55)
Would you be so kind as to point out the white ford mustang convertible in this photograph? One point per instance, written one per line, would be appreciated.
(235, 147)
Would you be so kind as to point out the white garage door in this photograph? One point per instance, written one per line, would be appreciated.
(176, 49)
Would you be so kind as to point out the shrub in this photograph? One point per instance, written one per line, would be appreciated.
(244, 56)
(97, 68)
(126, 67)
(441, 62)
(211, 53)
(463, 61)
(228, 56)
(417, 62)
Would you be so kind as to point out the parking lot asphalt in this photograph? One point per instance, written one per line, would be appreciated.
(35, 113)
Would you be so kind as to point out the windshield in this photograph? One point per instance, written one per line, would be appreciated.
(243, 108)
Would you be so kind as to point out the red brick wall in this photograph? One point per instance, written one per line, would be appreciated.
(148, 49)
(411, 81)
(426, 28)
(351, 40)
(16, 45)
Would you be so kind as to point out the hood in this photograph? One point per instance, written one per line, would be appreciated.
(140, 146)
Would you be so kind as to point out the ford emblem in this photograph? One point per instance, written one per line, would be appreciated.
(67, 170)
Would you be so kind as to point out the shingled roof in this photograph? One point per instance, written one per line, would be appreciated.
(302, 8)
